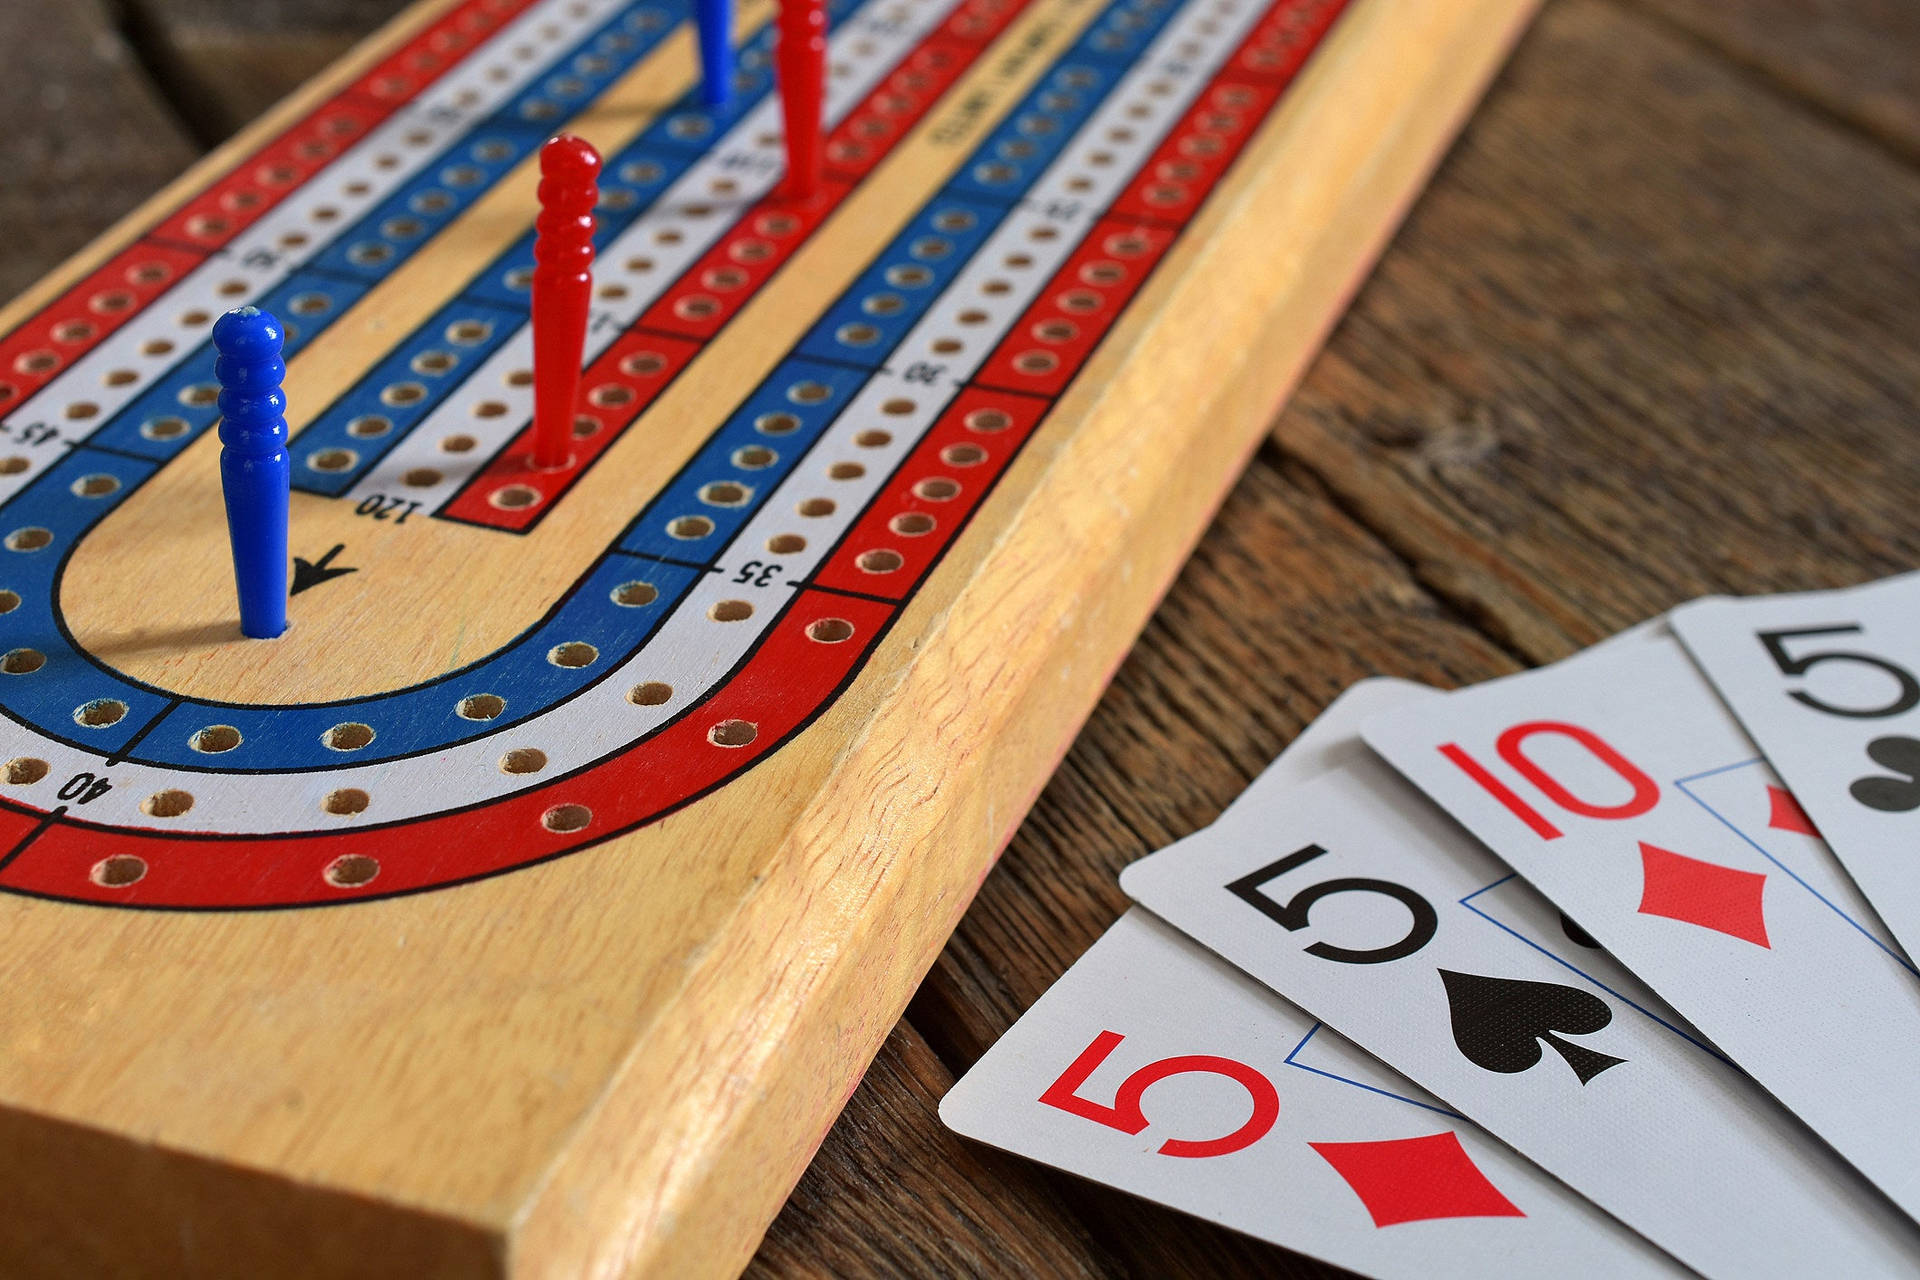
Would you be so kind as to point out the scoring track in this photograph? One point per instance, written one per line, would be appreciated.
(744, 595)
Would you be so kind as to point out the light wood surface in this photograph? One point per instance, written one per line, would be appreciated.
(621, 1061)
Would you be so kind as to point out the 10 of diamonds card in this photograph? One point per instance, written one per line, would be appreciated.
(1578, 776)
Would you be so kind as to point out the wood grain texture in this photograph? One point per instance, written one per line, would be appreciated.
(1853, 58)
(893, 1192)
(1655, 339)
(87, 135)
(224, 62)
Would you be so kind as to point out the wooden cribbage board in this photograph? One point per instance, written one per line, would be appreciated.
(534, 903)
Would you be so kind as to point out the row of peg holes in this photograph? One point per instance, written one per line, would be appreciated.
(729, 493)
(487, 150)
(353, 870)
(147, 275)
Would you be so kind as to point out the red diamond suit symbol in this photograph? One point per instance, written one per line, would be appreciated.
(1416, 1179)
(1724, 899)
(1785, 814)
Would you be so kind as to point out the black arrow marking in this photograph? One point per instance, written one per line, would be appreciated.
(313, 573)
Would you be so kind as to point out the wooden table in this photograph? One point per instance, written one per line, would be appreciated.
(1653, 332)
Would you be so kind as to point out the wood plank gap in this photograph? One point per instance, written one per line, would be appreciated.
(146, 38)
(1758, 72)
(1454, 607)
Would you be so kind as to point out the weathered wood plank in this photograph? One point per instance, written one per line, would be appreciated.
(1859, 59)
(893, 1192)
(1285, 603)
(226, 61)
(86, 137)
(1654, 333)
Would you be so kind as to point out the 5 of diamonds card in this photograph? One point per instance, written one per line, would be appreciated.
(1149, 1048)
(1588, 779)
(1153, 1067)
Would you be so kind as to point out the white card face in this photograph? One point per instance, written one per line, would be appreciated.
(1358, 900)
(1360, 1167)
(1153, 1067)
(1828, 685)
(1619, 786)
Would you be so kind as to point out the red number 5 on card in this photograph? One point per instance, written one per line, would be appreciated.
(1512, 748)
(1126, 1114)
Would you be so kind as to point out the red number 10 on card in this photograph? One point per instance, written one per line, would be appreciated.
(1511, 746)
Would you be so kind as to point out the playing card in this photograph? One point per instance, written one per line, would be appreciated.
(1153, 1067)
(1825, 683)
(1355, 897)
(1605, 781)
(1334, 1155)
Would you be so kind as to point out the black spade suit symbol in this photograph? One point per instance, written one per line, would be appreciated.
(1499, 1023)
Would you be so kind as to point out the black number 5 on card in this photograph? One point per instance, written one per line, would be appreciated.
(1776, 644)
(1294, 912)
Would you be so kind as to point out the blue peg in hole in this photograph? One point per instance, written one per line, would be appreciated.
(255, 473)
(713, 20)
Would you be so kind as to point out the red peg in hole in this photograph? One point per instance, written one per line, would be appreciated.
(800, 66)
(562, 289)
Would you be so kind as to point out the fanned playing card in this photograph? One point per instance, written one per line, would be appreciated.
(1149, 1048)
(1356, 898)
(1825, 683)
(1153, 1067)
(1620, 787)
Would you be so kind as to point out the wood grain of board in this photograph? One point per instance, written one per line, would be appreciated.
(554, 1073)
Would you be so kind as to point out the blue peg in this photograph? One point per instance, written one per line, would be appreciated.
(714, 21)
(254, 471)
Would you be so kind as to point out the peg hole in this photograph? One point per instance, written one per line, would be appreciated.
(119, 871)
(523, 760)
(20, 662)
(24, 771)
(167, 804)
(350, 735)
(829, 630)
(214, 739)
(564, 818)
(353, 870)
(733, 733)
(514, 497)
(635, 594)
(480, 706)
(573, 654)
(650, 694)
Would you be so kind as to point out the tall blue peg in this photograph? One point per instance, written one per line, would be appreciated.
(713, 19)
(255, 473)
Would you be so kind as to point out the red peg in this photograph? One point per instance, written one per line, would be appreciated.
(801, 69)
(562, 287)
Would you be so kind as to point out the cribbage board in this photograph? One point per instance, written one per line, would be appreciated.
(533, 904)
